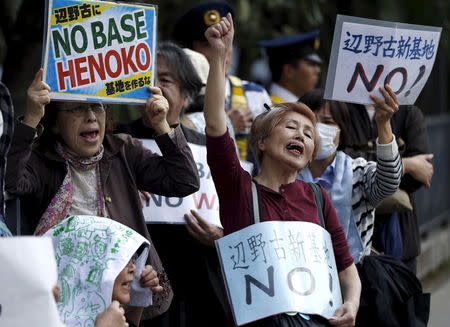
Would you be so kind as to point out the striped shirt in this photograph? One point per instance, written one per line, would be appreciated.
(372, 183)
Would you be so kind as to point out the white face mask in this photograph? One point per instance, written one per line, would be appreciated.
(327, 133)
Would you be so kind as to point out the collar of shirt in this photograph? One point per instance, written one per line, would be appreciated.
(370, 111)
(326, 179)
(286, 95)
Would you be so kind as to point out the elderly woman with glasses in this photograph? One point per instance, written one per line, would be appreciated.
(64, 161)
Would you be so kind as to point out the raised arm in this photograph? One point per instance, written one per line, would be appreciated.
(38, 95)
(22, 177)
(384, 112)
(383, 179)
(175, 172)
(220, 38)
(155, 111)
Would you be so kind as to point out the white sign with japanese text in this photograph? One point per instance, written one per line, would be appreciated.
(368, 54)
(279, 266)
(27, 277)
(161, 209)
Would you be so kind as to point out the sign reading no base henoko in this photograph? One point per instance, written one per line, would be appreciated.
(99, 51)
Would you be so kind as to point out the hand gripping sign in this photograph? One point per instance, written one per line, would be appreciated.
(367, 54)
(279, 266)
(99, 51)
(161, 209)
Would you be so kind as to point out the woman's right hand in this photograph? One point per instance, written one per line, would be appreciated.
(38, 96)
(220, 36)
(113, 316)
(201, 229)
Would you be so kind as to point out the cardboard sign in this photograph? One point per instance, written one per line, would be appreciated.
(27, 277)
(367, 54)
(279, 266)
(161, 209)
(99, 51)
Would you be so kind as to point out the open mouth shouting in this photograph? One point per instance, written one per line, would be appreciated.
(295, 148)
(126, 285)
(91, 135)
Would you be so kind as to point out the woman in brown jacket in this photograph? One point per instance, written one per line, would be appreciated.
(71, 165)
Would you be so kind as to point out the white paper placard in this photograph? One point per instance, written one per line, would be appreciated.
(279, 266)
(27, 277)
(367, 54)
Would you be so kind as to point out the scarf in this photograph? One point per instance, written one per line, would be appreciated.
(61, 203)
(341, 197)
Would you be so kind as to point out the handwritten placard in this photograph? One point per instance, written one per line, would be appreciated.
(99, 51)
(279, 266)
(27, 277)
(367, 54)
(161, 209)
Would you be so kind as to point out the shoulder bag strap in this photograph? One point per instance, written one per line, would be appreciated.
(256, 203)
(319, 202)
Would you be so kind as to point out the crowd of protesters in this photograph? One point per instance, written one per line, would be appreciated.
(66, 161)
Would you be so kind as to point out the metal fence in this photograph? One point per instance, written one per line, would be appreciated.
(433, 204)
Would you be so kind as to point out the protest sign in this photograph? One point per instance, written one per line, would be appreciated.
(367, 54)
(27, 277)
(99, 51)
(161, 209)
(279, 266)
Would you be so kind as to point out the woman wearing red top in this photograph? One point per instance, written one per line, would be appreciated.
(284, 140)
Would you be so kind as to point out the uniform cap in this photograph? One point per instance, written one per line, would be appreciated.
(191, 26)
(287, 48)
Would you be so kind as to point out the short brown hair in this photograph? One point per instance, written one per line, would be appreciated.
(264, 124)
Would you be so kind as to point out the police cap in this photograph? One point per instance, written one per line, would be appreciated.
(191, 26)
(287, 48)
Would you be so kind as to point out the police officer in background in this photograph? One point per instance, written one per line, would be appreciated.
(294, 64)
(244, 100)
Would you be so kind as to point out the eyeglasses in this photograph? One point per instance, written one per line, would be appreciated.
(133, 260)
(81, 110)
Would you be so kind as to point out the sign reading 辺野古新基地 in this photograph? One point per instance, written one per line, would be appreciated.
(279, 266)
(368, 53)
(99, 51)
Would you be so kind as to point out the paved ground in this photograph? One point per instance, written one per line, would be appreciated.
(439, 286)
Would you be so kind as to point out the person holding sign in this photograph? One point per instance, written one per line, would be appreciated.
(356, 186)
(409, 127)
(101, 265)
(285, 142)
(71, 164)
